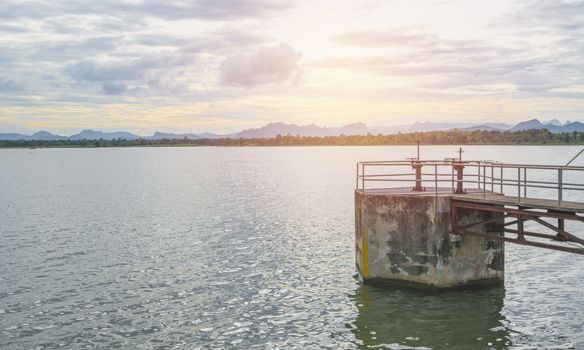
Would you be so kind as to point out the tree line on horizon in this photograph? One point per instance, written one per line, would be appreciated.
(449, 137)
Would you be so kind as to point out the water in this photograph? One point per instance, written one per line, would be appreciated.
(250, 248)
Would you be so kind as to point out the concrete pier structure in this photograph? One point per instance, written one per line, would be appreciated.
(405, 237)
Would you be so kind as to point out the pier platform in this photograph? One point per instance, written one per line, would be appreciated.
(449, 226)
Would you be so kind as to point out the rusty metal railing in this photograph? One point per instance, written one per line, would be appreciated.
(518, 180)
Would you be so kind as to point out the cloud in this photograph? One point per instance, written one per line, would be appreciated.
(212, 9)
(68, 49)
(141, 52)
(81, 24)
(77, 50)
(267, 65)
(167, 10)
(433, 62)
(107, 71)
(160, 39)
(559, 27)
(562, 14)
(155, 72)
(226, 40)
(9, 86)
(423, 43)
(147, 63)
(113, 88)
(389, 37)
(13, 28)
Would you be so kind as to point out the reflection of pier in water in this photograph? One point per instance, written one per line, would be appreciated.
(403, 319)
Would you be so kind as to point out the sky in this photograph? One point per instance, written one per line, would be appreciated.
(226, 65)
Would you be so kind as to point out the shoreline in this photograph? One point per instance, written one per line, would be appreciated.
(280, 146)
(528, 138)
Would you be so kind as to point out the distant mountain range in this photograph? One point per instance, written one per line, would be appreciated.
(274, 129)
(96, 135)
(84, 135)
(551, 126)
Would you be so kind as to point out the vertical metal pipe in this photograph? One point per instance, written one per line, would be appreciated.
(452, 177)
(453, 219)
(501, 179)
(436, 179)
(524, 182)
(435, 187)
(357, 178)
(479, 175)
(484, 181)
(363, 177)
(459, 178)
(418, 167)
(560, 185)
(492, 178)
(518, 185)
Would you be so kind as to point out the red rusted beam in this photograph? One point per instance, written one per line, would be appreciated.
(487, 221)
(522, 215)
(558, 231)
(468, 205)
(525, 242)
(539, 235)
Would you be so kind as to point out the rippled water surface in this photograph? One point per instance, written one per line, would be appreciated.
(198, 248)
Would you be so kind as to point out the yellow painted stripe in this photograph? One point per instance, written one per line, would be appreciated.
(364, 253)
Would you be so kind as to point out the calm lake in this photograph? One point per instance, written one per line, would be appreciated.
(250, 248)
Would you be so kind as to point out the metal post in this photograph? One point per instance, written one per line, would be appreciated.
(484, 181)
(357, 179)
(418, 167)
(518, 185)
(452, 178)
(479, 176)
(524, 182)
(501, 179)
(436, 180)
(492, 178)
(560, 183)
(363, 177)
(459, 177)
(520, 230)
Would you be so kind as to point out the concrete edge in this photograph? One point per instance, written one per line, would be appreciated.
(401, 284)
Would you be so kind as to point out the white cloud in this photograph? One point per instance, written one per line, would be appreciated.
(267, 65)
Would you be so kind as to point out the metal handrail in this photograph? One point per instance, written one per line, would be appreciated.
(486, 174)
(488, 163)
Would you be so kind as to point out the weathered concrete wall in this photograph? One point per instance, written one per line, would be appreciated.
(406, 238)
